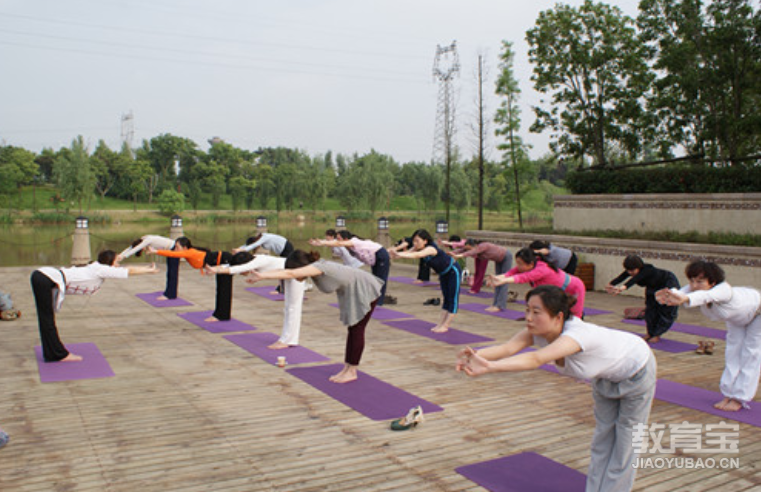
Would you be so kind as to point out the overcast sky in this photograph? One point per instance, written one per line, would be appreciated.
(318, 75)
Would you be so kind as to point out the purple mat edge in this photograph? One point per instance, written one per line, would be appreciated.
(94, 362)
(673, 392)
(343, 393)
(497, 475)
(233, 325)
(439, 337)
(298, 354)
(177, 302)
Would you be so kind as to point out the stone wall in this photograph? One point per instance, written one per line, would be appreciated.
(742, 264)
(738, 213)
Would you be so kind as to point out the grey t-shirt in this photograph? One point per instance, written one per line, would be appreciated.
(355, 289)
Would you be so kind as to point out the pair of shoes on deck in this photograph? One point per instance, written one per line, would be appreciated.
(705, 347)
(389, 300)
(433, 301)
(412, 419)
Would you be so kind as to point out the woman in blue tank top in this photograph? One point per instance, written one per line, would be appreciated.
(450, 274)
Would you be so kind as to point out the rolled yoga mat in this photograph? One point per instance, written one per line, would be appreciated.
(256, 344)
(423, 328)
(198, 317)
(367, 395)
(152, 299)
(524, 472)
(92, 366)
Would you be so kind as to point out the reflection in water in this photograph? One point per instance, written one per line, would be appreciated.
(51, 244)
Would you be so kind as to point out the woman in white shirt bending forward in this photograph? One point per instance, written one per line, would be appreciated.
(50, 285)
(620, 365)
(740, 309)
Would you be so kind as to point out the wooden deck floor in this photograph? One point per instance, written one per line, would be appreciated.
(190, 411)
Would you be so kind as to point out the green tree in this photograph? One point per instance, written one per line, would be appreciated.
(75, 175)
(162, 153)
(264, 176)
(591, 63)
(17, 168)
(137, 176)
(240, 189)
(171, 202)
(508, 120)
(708, 61)
(108, 167)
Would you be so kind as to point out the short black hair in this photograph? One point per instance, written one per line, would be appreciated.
(706, 269)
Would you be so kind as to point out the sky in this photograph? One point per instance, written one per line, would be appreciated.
(347, 76)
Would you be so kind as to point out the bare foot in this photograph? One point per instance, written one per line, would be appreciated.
(348, 375)
(493, 309)
(732, 406)
(721, 404)
(417, 282)
(162, 298)
(338, 374)
(278, 345)
(440, 329)
(274, 293)
(654, 340)
(211, 319)
(71, 358)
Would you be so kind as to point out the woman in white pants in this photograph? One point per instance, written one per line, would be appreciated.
(740, 309)
(294, 295)
(620, 365)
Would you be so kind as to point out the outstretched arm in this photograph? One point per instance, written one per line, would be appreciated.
(295, 273)
(142, 269)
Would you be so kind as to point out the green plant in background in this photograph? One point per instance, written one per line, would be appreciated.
(171, 202)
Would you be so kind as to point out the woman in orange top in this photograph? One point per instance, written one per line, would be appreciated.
(198, 258)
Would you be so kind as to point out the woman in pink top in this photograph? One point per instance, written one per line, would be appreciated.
(531, 269)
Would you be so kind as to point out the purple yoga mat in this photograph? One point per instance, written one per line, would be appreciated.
(524, 472)
(367, 395)
(481, 308)
(264, 291)
(703, 400)
(198, 317)
(411, 281)
(588, 311)
(151, 298)
(482, 295)
(701, 331)
(385, 313)
(671, 346)
(423, 328)
(92, 366)
(256, 344)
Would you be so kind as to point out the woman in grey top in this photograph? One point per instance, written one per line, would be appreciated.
(357, 291)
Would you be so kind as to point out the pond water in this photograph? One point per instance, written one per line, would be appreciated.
(38, 245)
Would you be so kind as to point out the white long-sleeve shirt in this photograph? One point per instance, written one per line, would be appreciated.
(270, 242)
(84, 280)
(156, 242)
(345, 256)
(260, 263)
(736, 306)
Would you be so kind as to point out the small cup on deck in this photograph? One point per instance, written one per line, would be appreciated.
(281, 361)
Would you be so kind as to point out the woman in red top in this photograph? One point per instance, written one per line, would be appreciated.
(200, 257)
